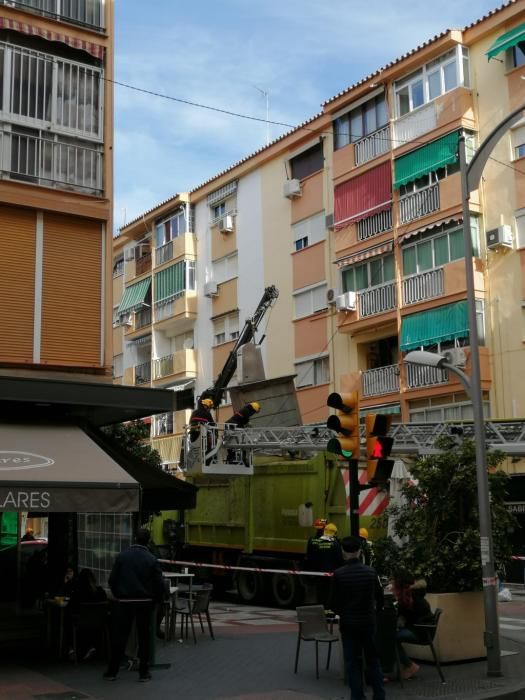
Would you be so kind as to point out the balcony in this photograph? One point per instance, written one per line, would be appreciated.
(372, 145)
(162, 424)
(377, 300)
(182, 246)
(381, 380)
(177, 306)
(49, 163)
(425, 285)
(143, 264)
(183, 362)
(420, 376)
(88, 13)
(414, 124)
(142, 373)
(417, 204)
(374, 225)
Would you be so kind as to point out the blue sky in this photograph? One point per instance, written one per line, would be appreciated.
(218, 52)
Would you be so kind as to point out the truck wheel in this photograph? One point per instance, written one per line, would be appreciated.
(284, 589)
(248, 586)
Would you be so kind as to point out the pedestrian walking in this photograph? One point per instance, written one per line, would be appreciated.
(137, 585)
(355, 595)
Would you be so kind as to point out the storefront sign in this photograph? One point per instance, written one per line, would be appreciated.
(68, 499)
(515, 508)
(14, 460)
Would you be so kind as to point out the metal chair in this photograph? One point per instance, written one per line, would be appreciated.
(198, 605)
(426, 634)
(313, 627)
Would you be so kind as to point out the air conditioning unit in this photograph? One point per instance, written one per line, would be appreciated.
(211, 289)
(225, 225)
(331, 295)
(292, 189)
(499, 237)
(346, 302)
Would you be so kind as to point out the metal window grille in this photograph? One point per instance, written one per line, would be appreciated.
(88, 12)
(375, 224)
(222, 193)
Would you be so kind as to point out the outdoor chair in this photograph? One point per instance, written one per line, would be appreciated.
(198, 604)
(313, 627)
(91, 619)
(426, 634)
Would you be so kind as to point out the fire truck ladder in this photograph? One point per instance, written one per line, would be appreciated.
(409, 438)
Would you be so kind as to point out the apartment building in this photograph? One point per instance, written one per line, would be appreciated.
(356, 217)
(56, 139)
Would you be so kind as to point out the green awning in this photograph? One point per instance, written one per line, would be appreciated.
(426, 160)
(392, 409)
(134, 296)
(171, 281)
(507, 41)
(434, 326)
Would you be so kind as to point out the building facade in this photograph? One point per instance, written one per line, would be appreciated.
(56, 140)
(356, 217)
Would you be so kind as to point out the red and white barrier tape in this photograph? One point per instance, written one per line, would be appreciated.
(516, 557)
(257, 569)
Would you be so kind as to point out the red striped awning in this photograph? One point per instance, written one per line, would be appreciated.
(94, 49)
(365, 254)
(363, 196)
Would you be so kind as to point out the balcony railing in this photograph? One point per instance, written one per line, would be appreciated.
(419, 376)
(50, 163)
(372, 145)
(377, 300)
(143, 373)
(381, 380)
(164, 253)
(142, 318)
(375, 224)
(425, 285)
(86, 12)
(143, 264)
(417, 204)
(163, 367)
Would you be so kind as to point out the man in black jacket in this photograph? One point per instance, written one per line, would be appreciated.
(137, 584)
(355, 596)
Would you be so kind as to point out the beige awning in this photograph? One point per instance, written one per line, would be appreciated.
(58, 468)
(365, 254)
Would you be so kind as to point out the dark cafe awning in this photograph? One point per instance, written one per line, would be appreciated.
(58, 468)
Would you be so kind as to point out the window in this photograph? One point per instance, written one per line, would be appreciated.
(171, 228)
(225, 268)
(312, 372)
(429, 179)
(184, 341)
(520, 228)
(307, 162)
(433, 250)
(310, 301)
(226, 329)
(360, 122)
(221, 209)
(518, 54)
(434, 79)
(118, 365)
(457, 408)
(517, 137)
(118, 267)
(309, 231)
(369, 274)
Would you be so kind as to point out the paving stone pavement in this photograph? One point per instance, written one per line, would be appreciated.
(251, 659)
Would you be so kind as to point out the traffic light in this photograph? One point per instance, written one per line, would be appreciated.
(378, 448)
(346, 423)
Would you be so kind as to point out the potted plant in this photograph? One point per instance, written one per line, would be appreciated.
(437, 531)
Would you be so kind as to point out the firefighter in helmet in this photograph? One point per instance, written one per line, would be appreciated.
(240, 419)
(200, 416)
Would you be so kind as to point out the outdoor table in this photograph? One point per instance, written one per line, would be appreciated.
(59, 605)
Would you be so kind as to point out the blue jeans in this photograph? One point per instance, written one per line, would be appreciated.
(404, 635)
(359, 642)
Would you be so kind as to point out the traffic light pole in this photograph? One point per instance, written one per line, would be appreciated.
(355, 489)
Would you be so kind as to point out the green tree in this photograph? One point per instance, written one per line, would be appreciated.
(132, 438)
(438, 523)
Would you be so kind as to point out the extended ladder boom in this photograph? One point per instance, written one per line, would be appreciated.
(409, 438)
